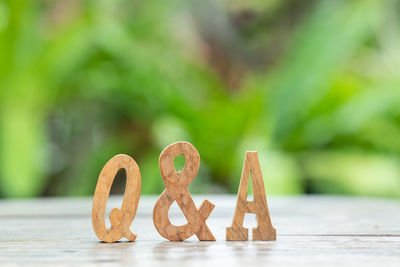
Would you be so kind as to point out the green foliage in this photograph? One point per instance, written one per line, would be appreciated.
(312, 85)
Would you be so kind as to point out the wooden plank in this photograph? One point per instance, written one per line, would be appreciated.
(314, 230)
(316, 215)
(287, 250)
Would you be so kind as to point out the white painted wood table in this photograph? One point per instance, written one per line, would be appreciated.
(311, 231)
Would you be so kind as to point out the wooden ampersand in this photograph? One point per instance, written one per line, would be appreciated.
(176, 190)
(121, 219)
(265, 230)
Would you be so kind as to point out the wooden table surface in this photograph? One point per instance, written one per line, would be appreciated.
(311, 230)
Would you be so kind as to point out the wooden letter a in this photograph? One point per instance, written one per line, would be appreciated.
(265, 230)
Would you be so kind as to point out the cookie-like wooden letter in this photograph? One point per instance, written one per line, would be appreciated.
(121, 219)
(176, 190)
(264, 230)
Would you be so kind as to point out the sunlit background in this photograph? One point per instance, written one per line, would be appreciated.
(313, 86)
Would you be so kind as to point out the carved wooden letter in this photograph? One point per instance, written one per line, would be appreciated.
(176, 190)
(121, 219)
(264, 230)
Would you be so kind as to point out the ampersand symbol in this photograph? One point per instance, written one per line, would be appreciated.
(176, 190)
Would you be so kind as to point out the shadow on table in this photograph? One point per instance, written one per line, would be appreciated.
(186, 251)
(219, 250)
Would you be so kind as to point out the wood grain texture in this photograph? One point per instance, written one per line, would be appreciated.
(312, 231)
(176, 190)
(264, 230)
(121, 219)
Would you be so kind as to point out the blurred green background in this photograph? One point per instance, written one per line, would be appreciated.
(313, 86)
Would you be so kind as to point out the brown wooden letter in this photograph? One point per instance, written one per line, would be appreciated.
(121, 219)
(176, 190)
(264, 230)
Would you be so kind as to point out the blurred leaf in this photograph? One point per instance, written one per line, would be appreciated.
(326, 41)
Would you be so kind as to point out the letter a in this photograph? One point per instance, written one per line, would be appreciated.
(264, 231)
